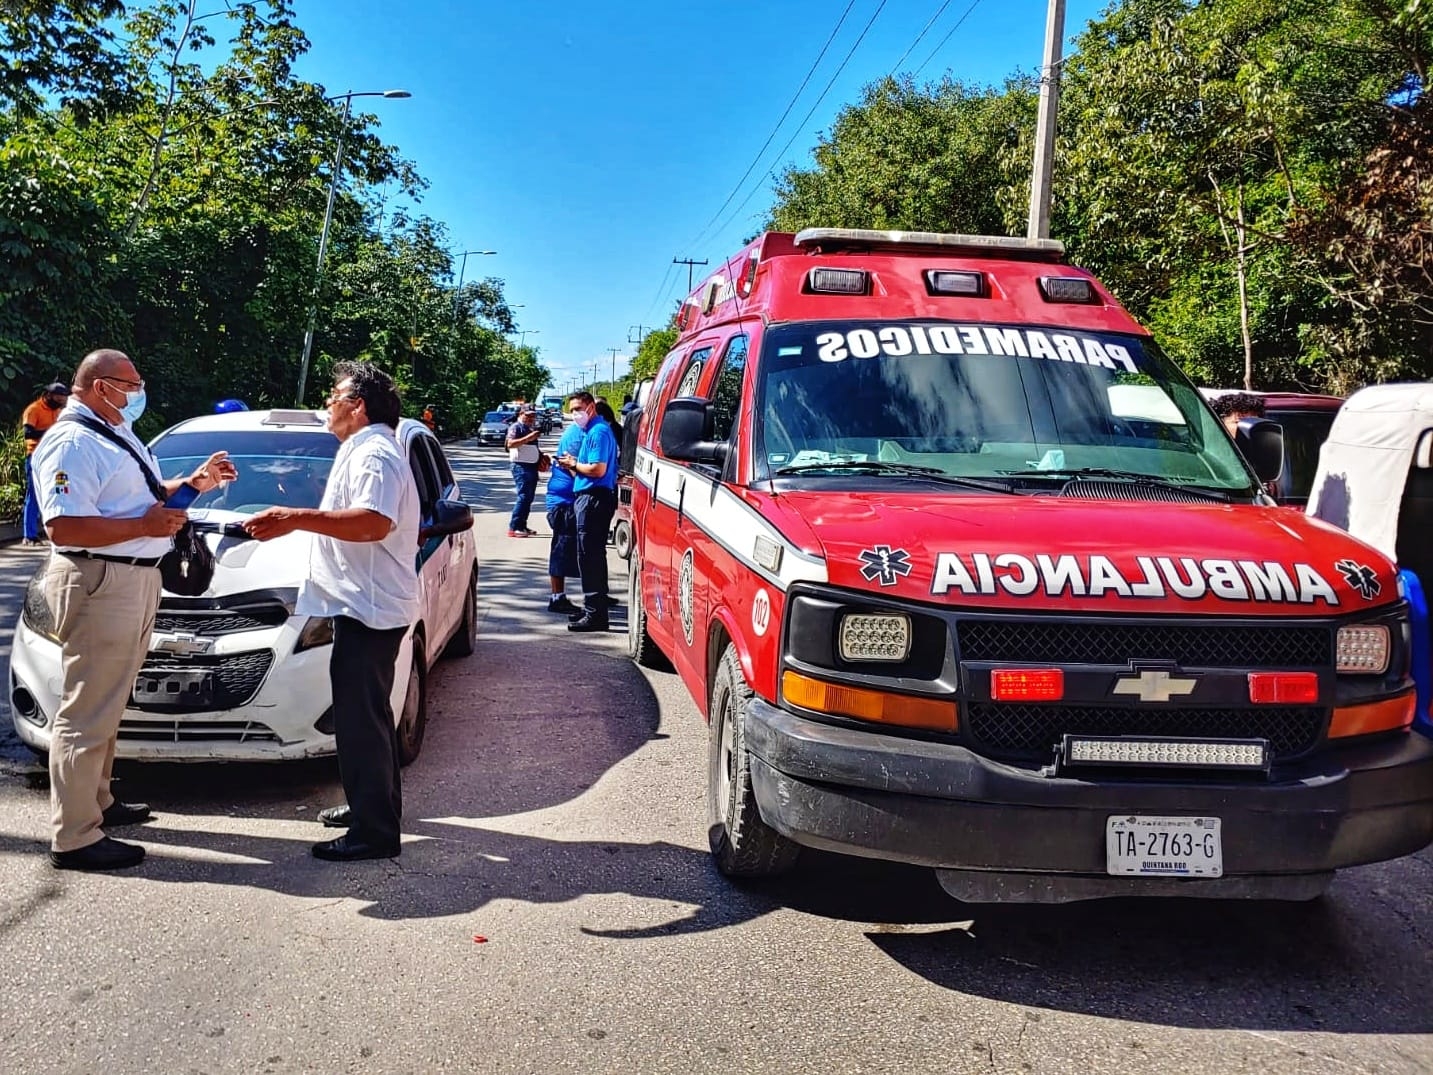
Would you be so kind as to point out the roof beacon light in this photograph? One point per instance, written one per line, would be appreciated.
(1074, 289)
(748, 277)
(944, 282)
(838, 281)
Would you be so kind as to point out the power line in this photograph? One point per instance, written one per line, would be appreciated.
(813, 108)
(975, 4)
(789, 106)
(924, 30)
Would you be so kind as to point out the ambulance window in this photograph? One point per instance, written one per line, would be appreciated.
(726, 393)
(692, 376)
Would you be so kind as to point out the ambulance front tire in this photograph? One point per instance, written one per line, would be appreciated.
(742, 844)
(640, 646)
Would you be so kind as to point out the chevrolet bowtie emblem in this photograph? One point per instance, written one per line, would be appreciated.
(1154, 686)
(183, 645)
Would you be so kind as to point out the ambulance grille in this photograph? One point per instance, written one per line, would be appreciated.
(1033, 731)
(1188, 645)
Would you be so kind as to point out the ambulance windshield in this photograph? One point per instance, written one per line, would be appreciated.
(983, 401)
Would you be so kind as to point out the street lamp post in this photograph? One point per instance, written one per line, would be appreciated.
(463, 269)
(333, 182)
(522, 336)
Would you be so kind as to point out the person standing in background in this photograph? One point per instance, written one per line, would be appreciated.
(562, 520)
(594, 468)
(524, 455)
(39, 416)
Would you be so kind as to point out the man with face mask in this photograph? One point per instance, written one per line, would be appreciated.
(107, 536)
(594, 481)
(39, 416)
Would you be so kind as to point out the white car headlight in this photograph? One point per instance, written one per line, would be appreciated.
(1363, 648)
(875, 637)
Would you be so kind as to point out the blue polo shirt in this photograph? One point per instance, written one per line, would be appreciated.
(559, 481)
(599, 445)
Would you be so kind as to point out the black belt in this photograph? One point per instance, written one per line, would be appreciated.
(133, 561)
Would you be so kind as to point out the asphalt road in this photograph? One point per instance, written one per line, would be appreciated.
(554, 910)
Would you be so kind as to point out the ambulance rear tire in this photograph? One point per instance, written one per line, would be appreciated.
(622, 539)
(742, 844)
(640, 646)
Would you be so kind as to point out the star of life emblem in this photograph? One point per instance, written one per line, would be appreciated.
(1361, 577)
(885, 565)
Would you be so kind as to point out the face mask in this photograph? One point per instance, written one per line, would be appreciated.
(133, 406)
(582, 418)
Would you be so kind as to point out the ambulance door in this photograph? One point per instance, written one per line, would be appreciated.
(703, 565)
(666, 480)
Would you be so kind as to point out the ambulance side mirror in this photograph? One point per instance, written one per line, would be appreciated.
(687, 431)
(1262, 443)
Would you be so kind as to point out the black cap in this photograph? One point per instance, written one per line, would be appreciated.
(58, 389)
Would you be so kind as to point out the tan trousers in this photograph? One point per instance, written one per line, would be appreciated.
(104, 613)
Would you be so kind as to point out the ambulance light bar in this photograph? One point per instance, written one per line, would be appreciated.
(868, 239)
(1246, 754)
(838, 281)
(1075, 289)
(945, 282)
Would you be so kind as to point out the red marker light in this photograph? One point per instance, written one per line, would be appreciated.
(1283, 688)
(1027, 684)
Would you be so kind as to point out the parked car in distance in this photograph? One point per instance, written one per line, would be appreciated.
(494, 427)
(1306, 418)
(236, 674)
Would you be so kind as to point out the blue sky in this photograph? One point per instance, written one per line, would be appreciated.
(589, 144)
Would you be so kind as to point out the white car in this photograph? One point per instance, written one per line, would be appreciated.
(235, 675)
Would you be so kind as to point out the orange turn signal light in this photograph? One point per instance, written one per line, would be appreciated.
(861, 703)
(1027, 684)
(1389, 715)
(1284, 688)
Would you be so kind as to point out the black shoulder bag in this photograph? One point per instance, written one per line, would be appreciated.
(188, 568)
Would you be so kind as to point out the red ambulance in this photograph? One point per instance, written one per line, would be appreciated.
(964, 572)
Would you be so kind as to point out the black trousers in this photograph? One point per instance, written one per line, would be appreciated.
(361, 671)
(594, 517)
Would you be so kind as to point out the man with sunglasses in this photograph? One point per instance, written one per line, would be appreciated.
(107, 535)
(362, 575)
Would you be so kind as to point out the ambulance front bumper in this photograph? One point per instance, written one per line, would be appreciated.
(998, 831)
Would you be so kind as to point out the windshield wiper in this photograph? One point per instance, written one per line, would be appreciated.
(1134, 476)
(900, 470)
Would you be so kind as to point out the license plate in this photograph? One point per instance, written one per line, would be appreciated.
(187, 689)
(1142, 846)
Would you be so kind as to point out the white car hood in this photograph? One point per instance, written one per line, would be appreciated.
(243, 564)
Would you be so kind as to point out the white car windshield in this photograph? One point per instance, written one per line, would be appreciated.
(1024, 406)
(284, 468)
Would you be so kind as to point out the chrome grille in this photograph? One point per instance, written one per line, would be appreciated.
(1188, 645)
(1033, 731)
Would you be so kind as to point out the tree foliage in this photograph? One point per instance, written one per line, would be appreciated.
(162, 190)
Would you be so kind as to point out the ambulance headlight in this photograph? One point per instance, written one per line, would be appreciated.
(882, 636)
(1363, 648)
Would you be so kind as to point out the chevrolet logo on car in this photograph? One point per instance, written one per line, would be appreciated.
(182, 645)
(1150, 686)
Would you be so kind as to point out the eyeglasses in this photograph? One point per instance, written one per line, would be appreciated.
(124, 380)
(332, 398)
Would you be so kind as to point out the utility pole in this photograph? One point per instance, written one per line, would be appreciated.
(1039, 223)
(613, 388)
(688, 262)
(641, 331)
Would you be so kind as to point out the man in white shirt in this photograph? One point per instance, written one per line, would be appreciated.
(524, 455)
(108, 534)
(364, 575)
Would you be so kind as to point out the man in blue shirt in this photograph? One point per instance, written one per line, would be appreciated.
(562, 520)
(594, 469)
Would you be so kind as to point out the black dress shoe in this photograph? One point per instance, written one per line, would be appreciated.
(119, 813)
(105, 854)
(336, 817)
(590, 621)
(563, 605)
(350, 848)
